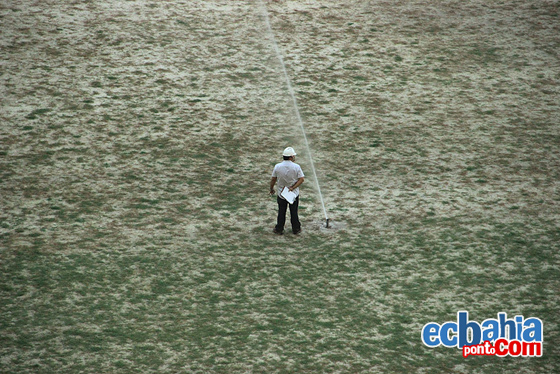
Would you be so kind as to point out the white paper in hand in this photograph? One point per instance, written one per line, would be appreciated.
(288, 195)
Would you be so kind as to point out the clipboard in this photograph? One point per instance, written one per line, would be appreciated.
(290, 196)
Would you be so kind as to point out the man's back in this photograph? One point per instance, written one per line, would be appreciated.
(288, 173)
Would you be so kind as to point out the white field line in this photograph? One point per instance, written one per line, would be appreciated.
(294, 101)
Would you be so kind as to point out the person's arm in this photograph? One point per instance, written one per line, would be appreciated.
(298, 183)
(272, 183)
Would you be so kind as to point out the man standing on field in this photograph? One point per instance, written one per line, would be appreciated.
(288, 174)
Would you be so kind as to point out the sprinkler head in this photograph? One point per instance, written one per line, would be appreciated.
(327, 226)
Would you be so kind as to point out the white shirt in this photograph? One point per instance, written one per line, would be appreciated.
(288, 173)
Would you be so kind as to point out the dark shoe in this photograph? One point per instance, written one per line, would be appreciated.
(296, 232)
(277, 232)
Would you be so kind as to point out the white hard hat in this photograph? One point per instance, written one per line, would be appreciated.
(289, 152)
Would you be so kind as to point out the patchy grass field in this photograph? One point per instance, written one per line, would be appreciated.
(136, 145)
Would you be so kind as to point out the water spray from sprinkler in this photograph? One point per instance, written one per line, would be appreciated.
(296, 107)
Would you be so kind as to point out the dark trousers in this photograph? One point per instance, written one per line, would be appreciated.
(282, 207)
